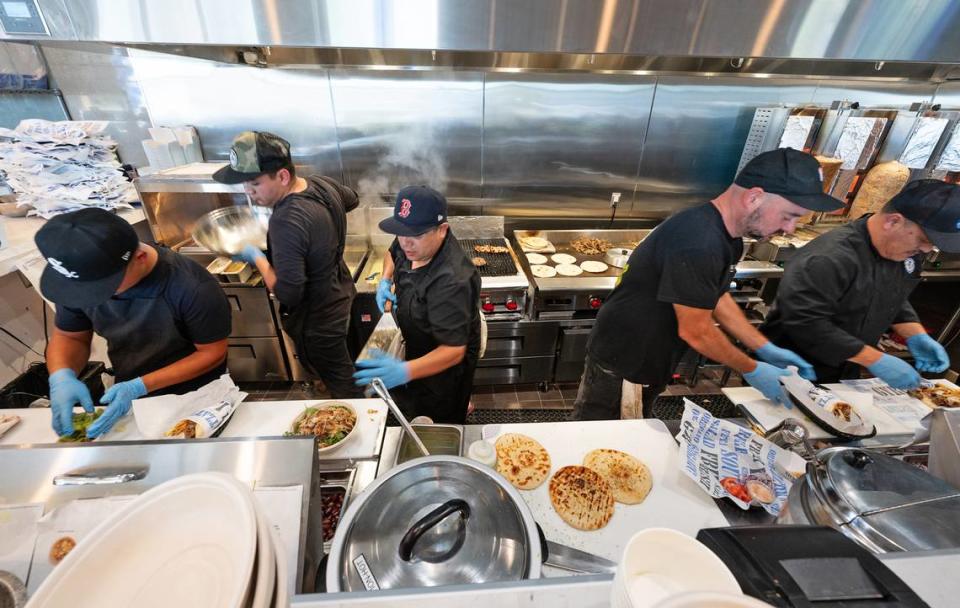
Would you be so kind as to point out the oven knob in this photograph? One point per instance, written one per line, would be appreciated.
(487, 306)
(511, 304)
(595, 302)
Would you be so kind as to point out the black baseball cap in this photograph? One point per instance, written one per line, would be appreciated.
(417, 210)
(252, 154)
(935, 205)
(87, 253)
(794, 175)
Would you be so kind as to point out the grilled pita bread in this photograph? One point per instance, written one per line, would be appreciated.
(630, 480)
(581, 497)
(522, 460)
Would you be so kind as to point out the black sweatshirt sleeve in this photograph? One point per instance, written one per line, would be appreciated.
(807, 298)
(289, 246)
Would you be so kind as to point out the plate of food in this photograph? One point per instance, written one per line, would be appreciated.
(332, 422)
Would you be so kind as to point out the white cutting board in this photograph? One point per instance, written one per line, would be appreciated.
(769, 414)
(273, 418)
(674, 502)
(34, 426)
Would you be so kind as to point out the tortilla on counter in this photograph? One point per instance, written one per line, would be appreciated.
(543, 272)
(630, 480)
(581, 497)
(522, 460)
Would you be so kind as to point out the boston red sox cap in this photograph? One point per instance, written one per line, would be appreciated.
(417, 210)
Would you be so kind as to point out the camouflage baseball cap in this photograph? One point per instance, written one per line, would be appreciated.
(252, 154)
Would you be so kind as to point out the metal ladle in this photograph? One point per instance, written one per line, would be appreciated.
(381, 390)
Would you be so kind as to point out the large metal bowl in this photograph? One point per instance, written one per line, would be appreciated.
(229, 229)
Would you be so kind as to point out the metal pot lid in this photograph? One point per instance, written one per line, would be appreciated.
(854, 482)
(434, 521)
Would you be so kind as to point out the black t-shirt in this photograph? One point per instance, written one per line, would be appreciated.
(689, 259)
(439, 301)
(157, 321)
(838, 295)
(305, 243)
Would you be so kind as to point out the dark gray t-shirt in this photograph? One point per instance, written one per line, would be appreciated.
(157, 321)
(689, 259)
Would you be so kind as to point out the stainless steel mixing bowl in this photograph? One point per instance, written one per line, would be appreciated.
(227, 230)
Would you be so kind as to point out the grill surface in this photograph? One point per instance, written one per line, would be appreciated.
(498, 264)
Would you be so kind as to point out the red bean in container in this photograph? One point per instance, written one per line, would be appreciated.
(332, 501)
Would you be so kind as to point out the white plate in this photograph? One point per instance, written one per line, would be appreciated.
(266, 576)
(594, 266)
(563, 258)
(188, 543)
(569, 270)
(543, 272)
(536, 258)
(326, 405)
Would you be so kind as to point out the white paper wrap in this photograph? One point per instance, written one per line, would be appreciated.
(822, 402)
(209, 406)
(713, 449)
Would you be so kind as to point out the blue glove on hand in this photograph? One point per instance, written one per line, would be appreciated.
(766, 379)
(384, 294)
(65, 392)
(781, 357)
(392, 371)
(249, 254)
(118, 400)
(895, 372)
(928, 354)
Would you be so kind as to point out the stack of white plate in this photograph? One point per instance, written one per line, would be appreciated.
(195, 541)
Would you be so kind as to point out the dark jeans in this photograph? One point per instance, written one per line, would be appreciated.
(323, 351)
(600, 391)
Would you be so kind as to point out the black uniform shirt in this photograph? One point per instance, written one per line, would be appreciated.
(838, 295)
(439, 301)
(157, 321)
(690, 260)
(305, 241)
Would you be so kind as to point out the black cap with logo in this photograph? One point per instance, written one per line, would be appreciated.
(87, 253)
(417, 210)
(252, 154)
(794, 175)
(935, 205)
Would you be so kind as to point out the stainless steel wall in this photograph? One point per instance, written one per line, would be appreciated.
(891, 30)
(529, 144)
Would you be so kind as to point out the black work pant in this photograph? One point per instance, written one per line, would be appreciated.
(599, 395)
(322, 348)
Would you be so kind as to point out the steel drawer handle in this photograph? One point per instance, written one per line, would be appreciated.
(100, 476)
(430, 520)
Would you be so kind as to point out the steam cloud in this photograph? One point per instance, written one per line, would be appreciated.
(411, 158)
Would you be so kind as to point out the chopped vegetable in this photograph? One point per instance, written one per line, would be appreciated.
(81, 422)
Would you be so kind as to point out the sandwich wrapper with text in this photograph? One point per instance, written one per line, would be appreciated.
(207, 408)
(728, 460)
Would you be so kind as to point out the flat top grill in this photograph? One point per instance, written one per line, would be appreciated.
(498, 264)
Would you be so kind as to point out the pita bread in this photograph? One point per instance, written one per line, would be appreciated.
(594, 266)
(534, 242)
(630, 480)
(536, 258)
(569, 270)
(563, 258)
(543, 272)
(581, 497)
(522, 460)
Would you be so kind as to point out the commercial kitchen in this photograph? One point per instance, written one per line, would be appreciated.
(561, 134)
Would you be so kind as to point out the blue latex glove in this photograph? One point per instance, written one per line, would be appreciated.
(65, 392)
(392, 371)
(118, 400)
(895, 372)
(766, 379)
(249, 254)
(384, 294)
(928, 354)
(781, 357)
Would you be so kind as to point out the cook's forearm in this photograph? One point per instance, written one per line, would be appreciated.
(731, 318)
(267, 272)
(714, 345)
(907, 330)
(388, 268)
(439, 359)
(68, 350)
(204, 359)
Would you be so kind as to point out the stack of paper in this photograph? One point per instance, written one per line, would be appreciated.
(58, 167)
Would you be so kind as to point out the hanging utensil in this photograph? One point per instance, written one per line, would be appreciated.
(381, 390)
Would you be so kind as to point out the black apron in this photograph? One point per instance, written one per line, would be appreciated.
(443, 397)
